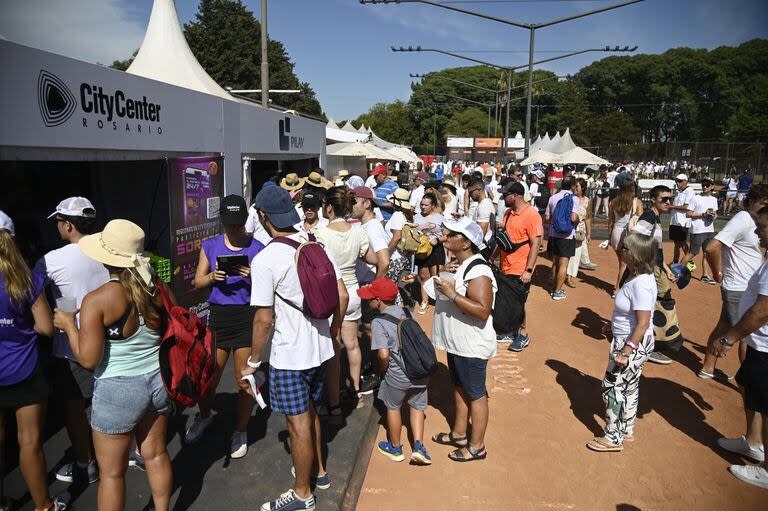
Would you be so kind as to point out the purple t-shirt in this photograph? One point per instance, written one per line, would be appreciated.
(234, 290)
(550, 212)
(18, 339)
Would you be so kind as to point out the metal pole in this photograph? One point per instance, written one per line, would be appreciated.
(509, 105)
(528, 102)
(496, 117)
(488, 132)
(434, 134)
(264, 57)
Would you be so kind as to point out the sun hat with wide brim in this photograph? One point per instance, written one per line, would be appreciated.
(315, 180)
(400, 198)
(120, 245)
(292, 182)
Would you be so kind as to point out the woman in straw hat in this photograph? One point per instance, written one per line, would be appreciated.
(292, 182)
(23, 388)
(119, 337)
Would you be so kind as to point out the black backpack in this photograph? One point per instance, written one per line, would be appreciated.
(509, 309)
(416, 350)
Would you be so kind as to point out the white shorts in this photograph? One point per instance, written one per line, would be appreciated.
(354, 307)
(731, 195)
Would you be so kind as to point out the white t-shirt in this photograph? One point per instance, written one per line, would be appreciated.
(377, 240)
(253, 225)
(741, 253)
(485, 209)
(395, 223)
(757, 285)
(534, 191)
(416, 195)
(700, 204)
(321, 222)
(682, 198)
(460, 200)
(347, 247)
(638, 294)
(371, 182)
(456, 332)
(611, 177)
(72, 274)
(299, 342)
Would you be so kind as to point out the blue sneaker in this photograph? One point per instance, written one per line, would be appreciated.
(520, 343)
(391, 452)
(289, 501)
(500, 338)
(322, 482)
(419, 455)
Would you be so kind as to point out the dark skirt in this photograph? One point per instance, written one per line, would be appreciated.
(232, 325)
(435, 258)
(30, 390)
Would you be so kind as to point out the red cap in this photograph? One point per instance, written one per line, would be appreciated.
(379, 170)
(364, 193)
(383, 289)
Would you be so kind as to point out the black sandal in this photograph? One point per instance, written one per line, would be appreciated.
(474, 454)
(449, 439)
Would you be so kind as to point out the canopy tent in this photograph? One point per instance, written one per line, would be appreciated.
(562, 145)
(541, 156)
(331, 124)
(381, 142)
(348, 127)
(362, 129)
(339, 135)
(165, 55)
(368, 151)
(404, 154)
(577, 155)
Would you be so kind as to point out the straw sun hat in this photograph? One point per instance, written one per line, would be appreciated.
(400, 198)
(120, 245)
(292, 182)
(315, 180)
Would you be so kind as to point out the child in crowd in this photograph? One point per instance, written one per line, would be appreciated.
(395, 385)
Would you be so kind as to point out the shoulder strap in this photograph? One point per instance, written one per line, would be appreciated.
(389, 317)
(474, 263)
(288, 241)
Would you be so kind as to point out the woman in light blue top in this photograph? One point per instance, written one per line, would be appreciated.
(119, 337)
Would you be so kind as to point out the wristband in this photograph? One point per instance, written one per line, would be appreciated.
(630, 344)
(252, 365)
(455, 295)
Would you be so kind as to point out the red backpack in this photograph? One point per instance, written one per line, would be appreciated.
(187, 354)
(316, 276)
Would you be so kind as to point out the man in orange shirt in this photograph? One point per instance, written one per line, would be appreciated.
(524, 227)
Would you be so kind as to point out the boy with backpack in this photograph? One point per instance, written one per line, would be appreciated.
(562, 214)
(405, 357)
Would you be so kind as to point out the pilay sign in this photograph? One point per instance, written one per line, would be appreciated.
(96, 107)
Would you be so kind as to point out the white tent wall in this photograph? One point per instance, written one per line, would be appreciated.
(354, 164)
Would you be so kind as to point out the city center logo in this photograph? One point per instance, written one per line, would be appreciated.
(56, 101)
(284, 139)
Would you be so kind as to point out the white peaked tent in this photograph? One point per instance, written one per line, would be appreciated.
(165, 55)
(577, 155)
(540, 156)
(362, 129)
(331, 124)
(563, 144)
(348, 127)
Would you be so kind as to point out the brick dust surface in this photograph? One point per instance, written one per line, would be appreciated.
(545, 405)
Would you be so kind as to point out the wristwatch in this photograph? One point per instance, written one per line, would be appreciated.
(529, 270)
(722, 340)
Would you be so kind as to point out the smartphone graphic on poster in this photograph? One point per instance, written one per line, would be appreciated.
(197, 191)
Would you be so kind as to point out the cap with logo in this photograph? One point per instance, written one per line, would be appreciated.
(75, 206)
(468, 228)
(233, 210)
(276, 203)
(311, 200)
(7, 224)
(681, 177)
(383, 289)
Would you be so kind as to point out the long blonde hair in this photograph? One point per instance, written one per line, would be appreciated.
(642, 251)
(13, 268)
(623, 202)
(148, 305)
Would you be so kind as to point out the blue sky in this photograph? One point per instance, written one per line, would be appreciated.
(342, 47)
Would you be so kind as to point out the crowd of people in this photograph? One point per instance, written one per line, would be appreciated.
(315, 285)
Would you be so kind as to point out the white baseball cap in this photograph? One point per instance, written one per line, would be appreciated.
(468, 228)
(75, 206)
(681, 177)
(7, 224)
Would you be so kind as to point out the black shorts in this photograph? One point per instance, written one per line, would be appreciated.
(69, 380)
(435, 258)
(562, 247)
(30, 390)
(469, 374)
(678, 233)
(752, 376)
(232, 325)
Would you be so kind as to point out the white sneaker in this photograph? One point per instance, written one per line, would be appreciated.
(239, 446)
(741, 446)
(198, 427)
(752, 474)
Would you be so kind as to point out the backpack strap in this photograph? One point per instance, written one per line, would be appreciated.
(474, 263)
(288, 241)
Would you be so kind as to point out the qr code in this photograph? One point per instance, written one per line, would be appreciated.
(212, 207)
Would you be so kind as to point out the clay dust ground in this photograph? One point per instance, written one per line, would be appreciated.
(545, 405)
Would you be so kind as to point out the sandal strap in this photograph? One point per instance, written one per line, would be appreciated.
(475, 452)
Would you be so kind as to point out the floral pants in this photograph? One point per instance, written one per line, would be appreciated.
(621, 389)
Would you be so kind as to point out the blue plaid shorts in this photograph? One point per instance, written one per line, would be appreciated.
(290, 390)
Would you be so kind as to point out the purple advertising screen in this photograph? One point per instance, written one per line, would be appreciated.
(195, 188)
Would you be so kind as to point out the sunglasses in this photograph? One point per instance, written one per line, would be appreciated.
(665, 200)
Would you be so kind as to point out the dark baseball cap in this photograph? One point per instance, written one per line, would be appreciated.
(276, 203)
(233, 210)
(513, 188)
(311, 200)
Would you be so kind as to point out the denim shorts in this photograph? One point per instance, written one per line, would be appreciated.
(120, 402)
(469, 374)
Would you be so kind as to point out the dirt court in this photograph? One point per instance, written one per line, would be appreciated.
(545, 405)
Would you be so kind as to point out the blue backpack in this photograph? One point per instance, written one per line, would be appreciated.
(561, 219)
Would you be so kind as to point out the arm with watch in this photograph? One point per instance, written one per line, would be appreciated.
(635, 338)
(755, 317)
(530, 264)
(713, 253)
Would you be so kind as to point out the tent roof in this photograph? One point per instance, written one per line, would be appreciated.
(369, 151)
(581, 156)
(340, 135)
(563, 144)
(362, 129)
(331, 124)
(165, 55)
(540, 156)
(348, 127)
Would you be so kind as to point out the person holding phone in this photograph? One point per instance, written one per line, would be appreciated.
(224, 266)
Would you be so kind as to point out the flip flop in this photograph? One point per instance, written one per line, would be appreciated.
(602, 444)
(474, 454)
(448, 439)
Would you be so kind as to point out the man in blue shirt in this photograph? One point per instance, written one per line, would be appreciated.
(384, 187)
(745, 183)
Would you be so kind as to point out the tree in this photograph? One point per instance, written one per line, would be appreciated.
(391, 121)
(122, 65)
(471, 123)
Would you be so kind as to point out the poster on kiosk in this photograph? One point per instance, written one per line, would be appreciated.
(195, 188)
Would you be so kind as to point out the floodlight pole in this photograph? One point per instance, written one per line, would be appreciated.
(264, 57)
